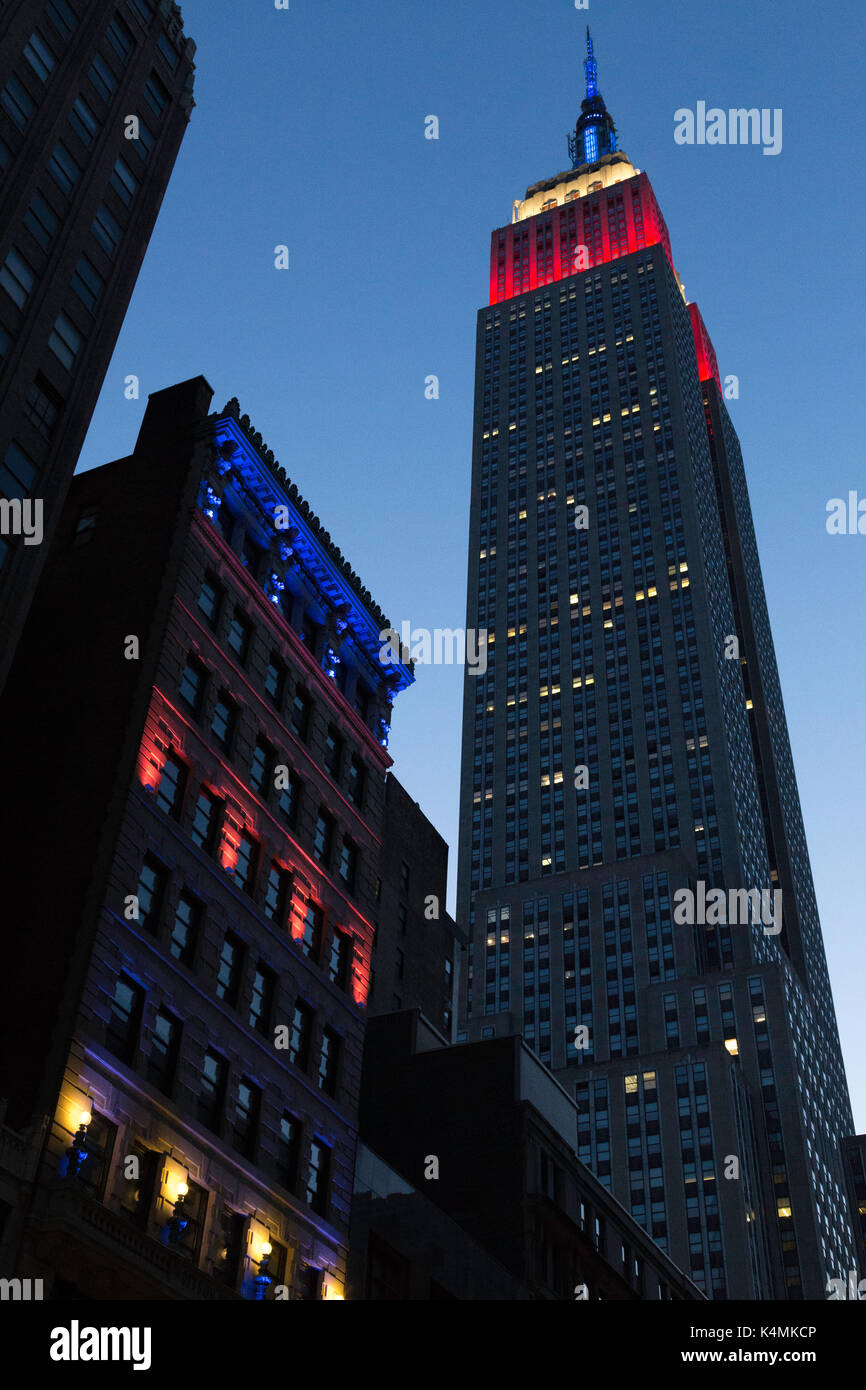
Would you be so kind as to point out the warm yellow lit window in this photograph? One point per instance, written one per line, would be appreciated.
(630, 1085)
(652, 591)
(640, 596)
(748, 704)
(609, 622)
(684, 584)
(683, 566)
(573, 599)
(731, 1045)
(783, 1206)
(557, 778)
(649, 1080)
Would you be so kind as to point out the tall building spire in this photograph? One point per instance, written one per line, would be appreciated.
(595, 133)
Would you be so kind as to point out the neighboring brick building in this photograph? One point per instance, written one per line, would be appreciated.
(415, 952)
(81, 190)
(503, 1133)
(225, 780)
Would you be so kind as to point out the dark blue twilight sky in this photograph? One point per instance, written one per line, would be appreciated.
(309, 131)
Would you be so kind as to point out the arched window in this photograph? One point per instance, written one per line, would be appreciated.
(594, 187)
(550, 203)
(570, 196)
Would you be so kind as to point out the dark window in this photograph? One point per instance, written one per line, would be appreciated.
(168, 51)
(150, 892)
(329, 1062)
(169, 793)
(210, 599)
(247, 862)
(103, 79)
(85, 525)
(277, 894)
(340, 962)
(144, 9)
(164, 1049)
(301, 1034)
(404, 877)
(290, 797)
(302, 712)
(192, 684)
(224, 720)
(402, 917)
(106, 230)
(362, 700)
(387, 1273)
(240, 634)
(156, 94)
(121, 1034)
(83, 121)
(261, 768)
(43, 406)
(291, 1141)
(212, 1090)
(311, 941)
(119, 35)
(323, 839)
(205, 820)
(333, 752)
(123, 181)
(39, 56)
(143, 143)
(262, 999)
(87, 283)
(136, 1194)
(355, 782)
(17, 472)
(188, 1239)
(251, 555)
(318, 1176)
(275, 679)
(17, 102)
(400, 961)
(185, 930)
(230, 969)
(230, 1243)
(348, 864)
(247, 1108)
(17, 277)
(61, 16)
(41, 221)
(65, 341)
(64, 170)
(101, 1134)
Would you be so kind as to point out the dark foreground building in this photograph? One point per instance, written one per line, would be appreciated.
(196, 721)
(484, 1132)
(95, 99)
(854, 1164)
(626, 753)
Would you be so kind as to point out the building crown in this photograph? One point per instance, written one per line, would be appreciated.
(595, 133)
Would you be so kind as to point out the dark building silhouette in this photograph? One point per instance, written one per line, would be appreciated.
(191, 967)
(628, 742)
(415, 940)
(484, 1132)
(94, 103)
(854, 1164)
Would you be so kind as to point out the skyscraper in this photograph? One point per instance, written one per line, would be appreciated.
(627, 789)
(94, 103)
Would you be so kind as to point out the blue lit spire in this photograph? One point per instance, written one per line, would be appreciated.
(595, 133)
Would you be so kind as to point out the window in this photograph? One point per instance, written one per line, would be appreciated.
(168, 51)
(400, 961)
(404, 877)
(144, 143)
(329, 1062)
(246, 1123)
(17, 473)
(277, 894)
(311, 941)
(39, 56)
(261, 768)
(83, 121)
(187, 1241)
(144, 9)
(205, 820)
(17, 278)
(172, 781)
(156, 94)
(230, 1242)
(275, 679)
(101, 1135)
(355, 782)
(42, 406)
(85, 525)
(150, 892)
(103, 79)
(192, 684)
(61, 16)
(402, 917)
(41, 221)
(302, 713)
(324, 837)
(290, 798)
(210, 599)
(119, 35)
(362, 700)
(318, 1176)
(348, 864)
(230, 969)
(17, 102)
(164, 1049)
(65, 341)
(247, 862)
(262, 999)
(340, 963)
(185, 929)
(123, 181)
(64, 170)
(106, 230)
(212, 1090)
(333, 752)
(121, 1034)
(240, 634)
(87, 283)
(300, 1036)
(291, 1141)
(224, 720)
(136, 1194)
